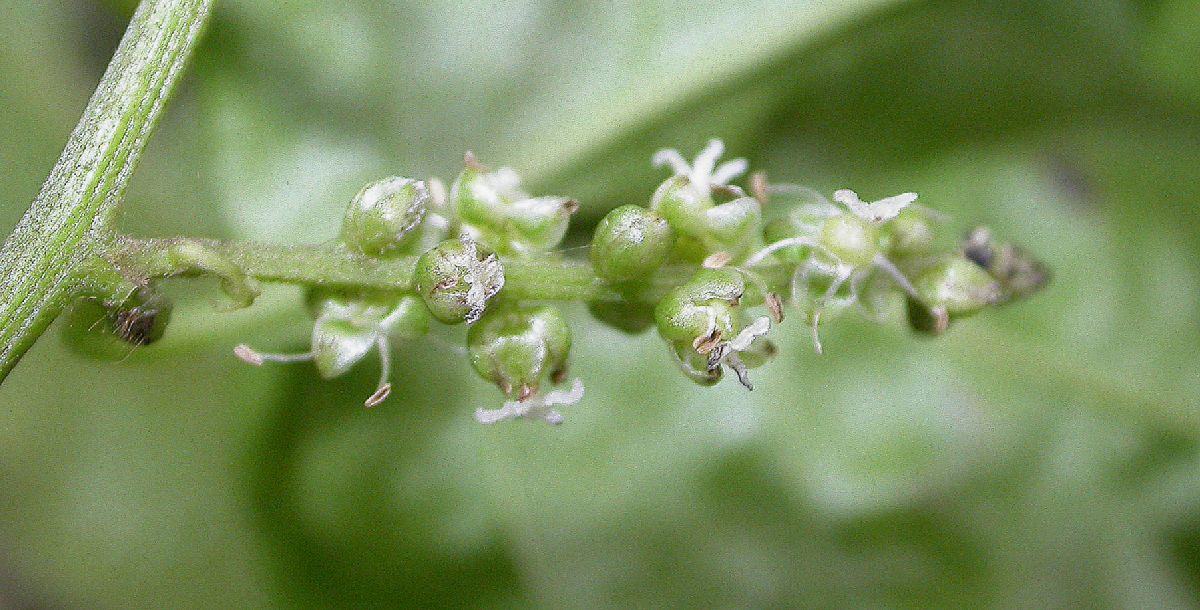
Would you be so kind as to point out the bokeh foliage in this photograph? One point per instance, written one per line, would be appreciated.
(1044, 455)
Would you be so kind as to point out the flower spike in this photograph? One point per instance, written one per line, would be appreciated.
(702, 262)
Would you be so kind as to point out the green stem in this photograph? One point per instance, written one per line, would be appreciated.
(545, 279)
(64, 228)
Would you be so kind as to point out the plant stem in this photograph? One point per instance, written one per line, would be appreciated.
(64, 227)
(543, 279)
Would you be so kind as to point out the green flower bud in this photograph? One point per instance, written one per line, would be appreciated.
(853, 240)
(457, 278)
(350, 324)
(630, 243)
(494, 209)
(517, 347)
(701, 309)
(683, 205)
(958, 285)
(402, 316)
(339, 344)
(384, 215)
(481, 196)
(909, 234)
(950, 289)
(539, 223)
(736, 225)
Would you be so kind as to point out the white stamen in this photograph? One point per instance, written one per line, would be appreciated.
(248, 355)
(759, 256)
(256, 358)
(739, 369)
(816, 334)
(565, 397)
(383, 388)
(381, 394)
(890, 268)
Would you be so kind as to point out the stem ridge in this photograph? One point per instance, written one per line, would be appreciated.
(69, 220)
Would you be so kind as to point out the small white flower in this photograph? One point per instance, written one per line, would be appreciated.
(878, 211)
(538, 406)
(726, 352)
(342, 336)
(705, 171)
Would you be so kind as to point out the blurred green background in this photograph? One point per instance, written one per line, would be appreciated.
(1046, 455)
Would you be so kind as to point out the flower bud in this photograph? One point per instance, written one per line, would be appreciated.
(384, 215)
(457, 278)
(909, 234)
(481, 196)
(701, 309)
(630, 243)
(958, 285)
(853, 240)
(950, 289)
(517, 347)
(338, 344)
(539, 223)
(683, 205)
(403, 316)
(735, 226)
(494, 209)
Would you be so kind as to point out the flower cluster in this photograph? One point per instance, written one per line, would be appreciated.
(713, 266)
(824, 256)
(457, 239)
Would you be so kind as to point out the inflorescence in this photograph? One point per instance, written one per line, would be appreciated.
(714, 266)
